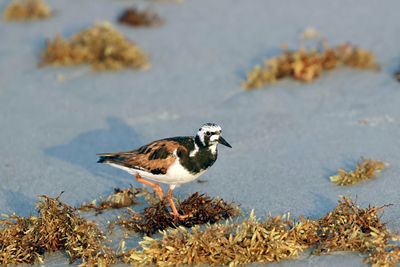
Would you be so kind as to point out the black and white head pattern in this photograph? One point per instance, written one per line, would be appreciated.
(209, 134)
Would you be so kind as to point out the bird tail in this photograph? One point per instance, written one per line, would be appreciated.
(106, 157)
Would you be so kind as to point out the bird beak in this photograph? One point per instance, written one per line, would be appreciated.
(222, 141)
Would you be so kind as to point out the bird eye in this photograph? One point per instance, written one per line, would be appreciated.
(208, 133)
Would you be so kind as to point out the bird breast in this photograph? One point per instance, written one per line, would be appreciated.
(177, 174)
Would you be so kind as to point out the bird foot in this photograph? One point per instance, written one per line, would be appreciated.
(180, 217)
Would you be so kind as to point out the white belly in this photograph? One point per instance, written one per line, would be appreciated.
(175, 175)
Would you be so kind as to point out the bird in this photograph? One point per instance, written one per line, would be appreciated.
(172, 161)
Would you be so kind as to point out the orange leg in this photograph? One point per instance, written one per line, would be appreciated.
(156, 187)
(171, 202)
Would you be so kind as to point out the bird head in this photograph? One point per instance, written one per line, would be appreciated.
(210, 135)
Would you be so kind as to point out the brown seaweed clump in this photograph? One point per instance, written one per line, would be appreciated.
(102, 46)
(23, 10)
(346, 228)
(120, 198)
(350, 228)
(57, 227)
(199, 208)
(137, 18)
(231, 244)
(307, 65)
(387, 256)
(365, 170)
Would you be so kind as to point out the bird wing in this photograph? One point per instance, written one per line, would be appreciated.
(155, 157)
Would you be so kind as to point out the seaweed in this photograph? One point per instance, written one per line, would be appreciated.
(365, 170)
(307, 64)
(56, 227)
(388, 255)
(351, 228)
(346, 228)
(198, 208)
(120, 198)
(59, 227)
(140, 18)
(102, 46)
(222, 244)
(24, 10)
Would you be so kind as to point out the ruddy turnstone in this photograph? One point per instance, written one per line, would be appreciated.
(173, 161)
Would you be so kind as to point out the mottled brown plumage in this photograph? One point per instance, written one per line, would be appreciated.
(155, 157)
